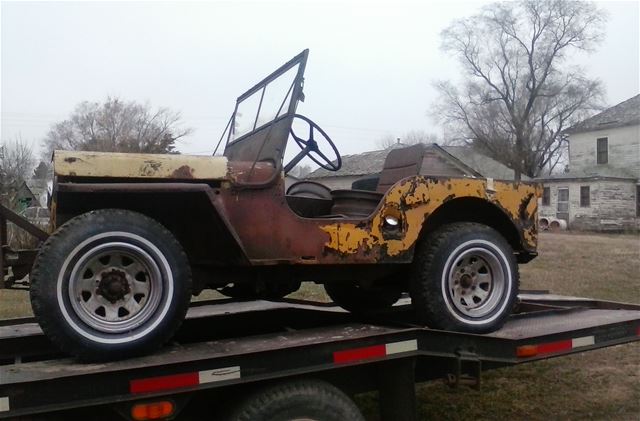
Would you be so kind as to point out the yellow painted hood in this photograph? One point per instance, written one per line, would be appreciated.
(135, 165)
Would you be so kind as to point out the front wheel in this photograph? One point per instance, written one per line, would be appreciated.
(110, 284)
(465, 278)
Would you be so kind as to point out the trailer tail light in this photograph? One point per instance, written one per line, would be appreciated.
(152, 410)
(533, 350)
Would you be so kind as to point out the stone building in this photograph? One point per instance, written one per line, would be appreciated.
(601, 189)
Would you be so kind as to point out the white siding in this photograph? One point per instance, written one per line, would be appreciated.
(624, 149)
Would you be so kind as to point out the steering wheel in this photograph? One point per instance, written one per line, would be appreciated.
(311, 149)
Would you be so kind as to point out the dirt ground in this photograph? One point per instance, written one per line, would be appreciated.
(600, 385)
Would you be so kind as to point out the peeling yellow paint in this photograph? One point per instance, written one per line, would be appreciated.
(416, 199)
(347, 238)
(531, 236)
(130, 165)
(510, 196)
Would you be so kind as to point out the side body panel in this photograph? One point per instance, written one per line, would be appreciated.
(258, 219)
(270, 233)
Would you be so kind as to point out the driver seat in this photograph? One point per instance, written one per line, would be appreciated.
(312, 200)
(401, 163)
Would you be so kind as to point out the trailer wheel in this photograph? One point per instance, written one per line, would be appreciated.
(298, 400)
(358, 298)
(465, 278)
(110, 284)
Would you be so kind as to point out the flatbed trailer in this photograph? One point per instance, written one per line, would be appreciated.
(209, 367)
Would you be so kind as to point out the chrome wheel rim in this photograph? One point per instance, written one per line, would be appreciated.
(476, 282)
(115, 287)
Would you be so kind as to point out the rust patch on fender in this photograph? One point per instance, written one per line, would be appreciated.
(184, 171)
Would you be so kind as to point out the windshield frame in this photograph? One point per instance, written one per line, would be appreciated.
(296, 95)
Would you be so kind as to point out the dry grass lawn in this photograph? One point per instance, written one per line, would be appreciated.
(601, 385)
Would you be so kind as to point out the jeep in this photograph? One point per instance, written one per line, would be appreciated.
(136, 235)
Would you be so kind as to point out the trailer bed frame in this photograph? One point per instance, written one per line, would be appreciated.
(293, 339)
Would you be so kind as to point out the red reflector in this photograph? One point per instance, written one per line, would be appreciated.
(359, 354)
(551, 347)
(638, 331)
(154, 384)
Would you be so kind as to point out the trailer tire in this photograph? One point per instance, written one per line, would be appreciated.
(299, 399)
(465, 278)
(363, 300)
(110, 284)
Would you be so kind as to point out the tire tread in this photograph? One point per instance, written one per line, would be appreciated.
(426, 303)
(39, 296)
(257, 406)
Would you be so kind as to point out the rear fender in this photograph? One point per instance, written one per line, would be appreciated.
(415, 199)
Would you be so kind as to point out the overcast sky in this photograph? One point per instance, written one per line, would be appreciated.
(370, 69)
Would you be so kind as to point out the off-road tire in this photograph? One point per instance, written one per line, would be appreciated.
(353, 297)
(71, 327)
(437, 287)
(300, 399)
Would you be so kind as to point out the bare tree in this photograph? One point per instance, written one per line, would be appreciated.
(411, 137)
(42, 171)
(16, 163)
(519, 94)
(117, 126)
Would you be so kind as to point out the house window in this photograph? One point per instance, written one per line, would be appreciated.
(602, 150)
(585, 196)
(563, 204)
(546, 196)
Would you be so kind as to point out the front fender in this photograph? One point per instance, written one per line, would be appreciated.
(188, 210)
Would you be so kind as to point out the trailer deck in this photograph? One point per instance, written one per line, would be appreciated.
(294, 338)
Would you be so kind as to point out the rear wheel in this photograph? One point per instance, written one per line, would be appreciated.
(362, 298)
(298, 400)
(110, 284)
(465, 278)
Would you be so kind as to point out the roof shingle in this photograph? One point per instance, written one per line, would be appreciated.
(625, 113)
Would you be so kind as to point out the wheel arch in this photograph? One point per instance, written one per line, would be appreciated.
(473, 209)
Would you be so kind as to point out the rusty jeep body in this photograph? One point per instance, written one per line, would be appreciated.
(136, 235)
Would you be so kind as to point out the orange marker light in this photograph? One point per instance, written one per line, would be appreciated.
(152, 410)
(527, 351)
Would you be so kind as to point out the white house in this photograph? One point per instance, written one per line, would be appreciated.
(601, 189)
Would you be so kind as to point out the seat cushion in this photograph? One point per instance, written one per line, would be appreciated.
(399, 164)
